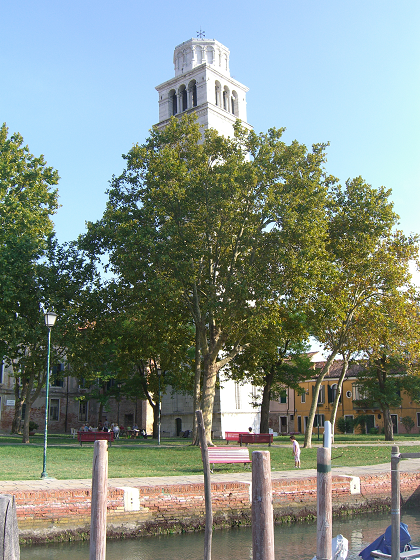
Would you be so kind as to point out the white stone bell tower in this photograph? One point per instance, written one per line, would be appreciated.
(202, 84)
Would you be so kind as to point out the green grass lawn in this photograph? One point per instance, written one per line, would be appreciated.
(134, 458)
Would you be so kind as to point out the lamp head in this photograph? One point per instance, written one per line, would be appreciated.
(50, 318)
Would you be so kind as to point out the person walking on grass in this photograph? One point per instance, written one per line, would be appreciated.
(296, 451)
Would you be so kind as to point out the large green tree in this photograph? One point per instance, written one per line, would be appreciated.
(56, 283)
(28, 199)
(368, 261)
(223, 223)
(389, 341)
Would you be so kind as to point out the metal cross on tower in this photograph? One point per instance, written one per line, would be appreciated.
(200, 34)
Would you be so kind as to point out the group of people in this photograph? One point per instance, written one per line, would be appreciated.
(118, 430)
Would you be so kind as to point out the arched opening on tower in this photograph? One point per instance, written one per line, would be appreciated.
(217, 92)
(226, 98)
(192, 89)
(234, 104)
(183, 97)
(172, 102)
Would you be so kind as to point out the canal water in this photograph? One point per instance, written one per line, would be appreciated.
(292, 542)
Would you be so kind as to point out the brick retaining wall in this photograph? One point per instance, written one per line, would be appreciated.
(62, 514)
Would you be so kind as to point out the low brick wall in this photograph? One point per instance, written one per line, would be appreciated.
(65, 514)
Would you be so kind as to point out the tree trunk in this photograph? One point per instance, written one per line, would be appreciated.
(320, 378)
(265, 404)
(210, 376)
(18, 409)
(156, 420)
(100, 412)
(197, 389)
(388, 426)
(338, 395)
(25, 432)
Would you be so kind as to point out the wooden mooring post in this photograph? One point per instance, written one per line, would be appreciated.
(324, 505)
(99, 501)
(262, 507)
(9, 532)
(208, 531)
(395, 503)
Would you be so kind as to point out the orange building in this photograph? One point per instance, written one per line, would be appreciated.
(292, 414)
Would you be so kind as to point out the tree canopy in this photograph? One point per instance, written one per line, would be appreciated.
(220, 225)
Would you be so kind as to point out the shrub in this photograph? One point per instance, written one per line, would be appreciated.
(345, 425)
(32, 426)
(408, 423)
(361, 420)
(374, 431)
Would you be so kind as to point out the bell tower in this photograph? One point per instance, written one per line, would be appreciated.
(202, 84)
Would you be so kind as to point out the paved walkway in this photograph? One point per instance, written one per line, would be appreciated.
(411, 465)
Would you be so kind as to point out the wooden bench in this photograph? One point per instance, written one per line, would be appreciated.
(256, 438)
(93, 436)
(220, 455)
(233, 436)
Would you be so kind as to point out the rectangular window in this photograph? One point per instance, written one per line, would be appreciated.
(319, 421)
(321, 394)
(1, 372)
(57, 376)
(283, 397)
(359, 393)
(394, 418)
(418, 419)
(303, 398)
(83, 411)
(54, 410)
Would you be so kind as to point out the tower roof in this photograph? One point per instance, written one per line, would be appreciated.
(195, 52)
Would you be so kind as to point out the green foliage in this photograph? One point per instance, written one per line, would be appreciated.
(408, 423)
(345, 425)
(361, 421)
(195, 224)
(367, 268)
(33, 426)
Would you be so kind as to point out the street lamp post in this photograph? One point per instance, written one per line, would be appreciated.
(159, 372)
(50, 318)
(119, 385)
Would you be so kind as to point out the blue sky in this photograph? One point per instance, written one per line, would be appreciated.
(78, 82)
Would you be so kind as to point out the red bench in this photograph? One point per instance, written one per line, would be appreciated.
(256, 438)
(220, 455)
(233, 436)
(93, 436)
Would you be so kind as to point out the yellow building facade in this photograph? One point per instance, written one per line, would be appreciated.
(348, 407)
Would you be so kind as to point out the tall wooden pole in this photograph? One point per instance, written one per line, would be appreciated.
(324, 504)
(208, 533)
(395, 503)
(99, 501)
(262, 507)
